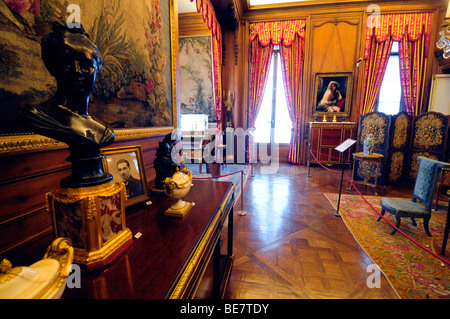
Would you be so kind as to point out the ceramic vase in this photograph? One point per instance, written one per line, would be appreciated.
(368, 145)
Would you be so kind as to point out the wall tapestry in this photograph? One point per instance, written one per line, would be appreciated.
(196, 89)
(135, 86)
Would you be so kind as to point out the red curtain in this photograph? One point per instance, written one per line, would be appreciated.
(413, 63)
(290, 36)
(292, 67)
(375, 68)
(259, 70)
(413, 31)
(209, 16)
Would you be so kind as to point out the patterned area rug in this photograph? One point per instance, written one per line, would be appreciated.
(413, 272)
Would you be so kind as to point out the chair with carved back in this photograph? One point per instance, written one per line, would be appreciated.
(424, 189)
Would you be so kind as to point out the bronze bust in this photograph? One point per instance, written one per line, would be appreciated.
(167, 161)
(73, 59)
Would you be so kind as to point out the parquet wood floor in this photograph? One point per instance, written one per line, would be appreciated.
(289, 245)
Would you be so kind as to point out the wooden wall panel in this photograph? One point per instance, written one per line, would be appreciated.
(334, 42)
(330, 43)
(26, 178)
(334, 46)
(26, 165)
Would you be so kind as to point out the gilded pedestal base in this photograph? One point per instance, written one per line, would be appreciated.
(94, 219)
(179, 209)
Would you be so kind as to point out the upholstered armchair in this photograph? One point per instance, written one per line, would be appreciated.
(424, 189)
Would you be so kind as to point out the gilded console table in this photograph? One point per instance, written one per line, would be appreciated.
(174, 257)
(323, 137)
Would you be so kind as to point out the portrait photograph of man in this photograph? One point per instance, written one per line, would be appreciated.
(132, 184)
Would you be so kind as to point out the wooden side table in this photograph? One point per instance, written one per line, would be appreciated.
(366, 168)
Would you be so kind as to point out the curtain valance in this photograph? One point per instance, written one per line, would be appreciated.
(209, 16)
(277, 32)
(396, 26)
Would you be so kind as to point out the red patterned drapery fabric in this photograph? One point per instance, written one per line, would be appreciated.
(375, 67)
(292, 67)
(277, 32)
(290, 36)
(412, 25)
(413, 66)
(259, 70)
(206, 8)
(413, 31)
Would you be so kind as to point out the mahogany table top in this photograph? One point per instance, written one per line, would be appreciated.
(153, 263)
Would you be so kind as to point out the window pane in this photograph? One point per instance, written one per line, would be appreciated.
(394, 49)
(390, 91)
(283, 122)
(263, 121)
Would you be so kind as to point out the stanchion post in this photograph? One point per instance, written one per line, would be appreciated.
(242, 212)
(340, 188)
(309, 162)
(342, 148)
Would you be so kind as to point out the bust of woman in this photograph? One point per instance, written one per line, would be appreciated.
(73, 59)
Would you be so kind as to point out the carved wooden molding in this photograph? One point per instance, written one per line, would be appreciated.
(16, 144)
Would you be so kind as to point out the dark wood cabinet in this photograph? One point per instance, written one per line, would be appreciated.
(323, 137)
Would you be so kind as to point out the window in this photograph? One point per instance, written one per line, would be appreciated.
(389, 98)
(273, 123)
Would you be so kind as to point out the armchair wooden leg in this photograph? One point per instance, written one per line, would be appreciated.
(382, 214)
(397, 224)
(425, 225)
(438, 190)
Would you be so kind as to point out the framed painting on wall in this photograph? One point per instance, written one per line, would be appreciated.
(332, 93)
(135, 92)
(440, 94)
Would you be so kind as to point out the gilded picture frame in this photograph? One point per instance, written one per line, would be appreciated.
(332, 94)
(126, 165)
(25, 79)
(440, 94)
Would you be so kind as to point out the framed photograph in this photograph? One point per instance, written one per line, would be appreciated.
(135, 91)
(126, 165)
(332, 93)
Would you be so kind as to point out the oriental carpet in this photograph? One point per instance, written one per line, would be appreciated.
(412, 271)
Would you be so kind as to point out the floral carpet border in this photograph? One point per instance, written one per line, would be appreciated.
(412, 272)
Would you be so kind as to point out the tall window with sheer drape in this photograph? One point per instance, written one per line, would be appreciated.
(412, 31)
(289, 35)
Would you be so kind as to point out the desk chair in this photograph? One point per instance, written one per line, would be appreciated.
(424, 188)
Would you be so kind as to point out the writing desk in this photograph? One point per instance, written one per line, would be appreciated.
(174, 257)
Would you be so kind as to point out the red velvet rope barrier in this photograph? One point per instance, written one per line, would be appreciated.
(375, 210)
(239, 171)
